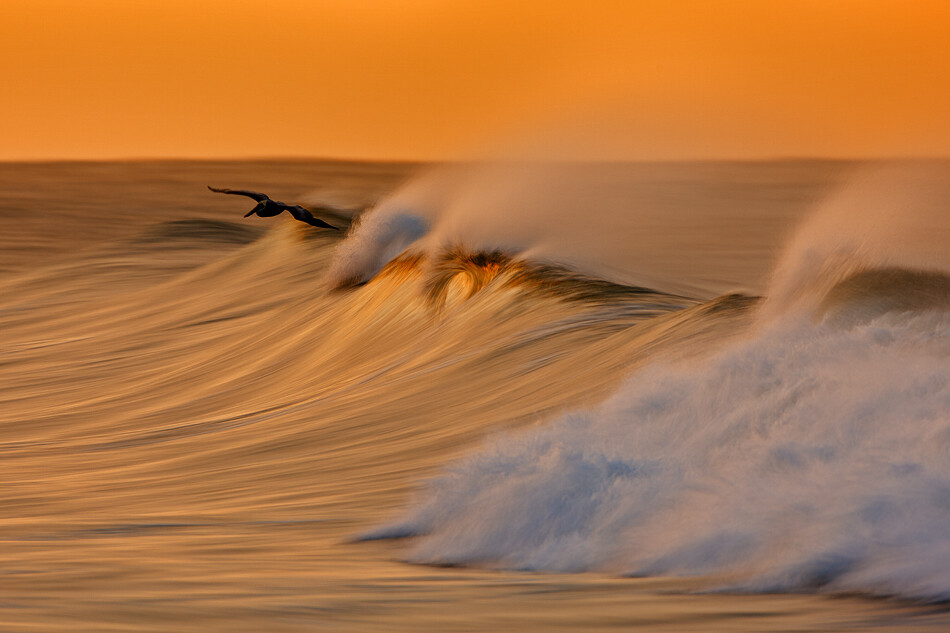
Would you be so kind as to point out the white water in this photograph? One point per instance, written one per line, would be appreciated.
(806, 456)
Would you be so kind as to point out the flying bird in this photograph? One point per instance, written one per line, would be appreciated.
(267, 208)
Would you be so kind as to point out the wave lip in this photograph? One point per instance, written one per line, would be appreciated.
(889, 217)
(455, 275)
(376, 239)
(869, 294)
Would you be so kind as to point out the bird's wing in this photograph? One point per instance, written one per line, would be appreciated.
(260, 197)
(318, 222)
(304, 215)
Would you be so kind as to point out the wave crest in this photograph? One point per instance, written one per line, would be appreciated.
(892, 216)
(869, 294)
(457, 274)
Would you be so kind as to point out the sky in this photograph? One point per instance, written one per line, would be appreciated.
(448, 79)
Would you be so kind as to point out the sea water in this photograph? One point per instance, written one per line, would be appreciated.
(688, 396)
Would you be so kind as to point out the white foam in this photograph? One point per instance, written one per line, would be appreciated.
(809, 456)
(377, 239)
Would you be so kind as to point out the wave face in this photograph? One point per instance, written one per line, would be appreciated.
(186, 381)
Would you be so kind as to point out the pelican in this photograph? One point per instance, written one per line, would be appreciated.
(267, 208)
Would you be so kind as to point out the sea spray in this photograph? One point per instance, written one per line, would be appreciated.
(625, 224)
(378, 239)
(894, 215)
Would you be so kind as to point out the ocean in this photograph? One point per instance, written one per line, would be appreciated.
(697, 396)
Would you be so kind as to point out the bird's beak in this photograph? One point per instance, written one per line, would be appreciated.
(250, 213)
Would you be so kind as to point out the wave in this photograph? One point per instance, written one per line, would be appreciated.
(242, 342)
(805, 454)
(198, 231)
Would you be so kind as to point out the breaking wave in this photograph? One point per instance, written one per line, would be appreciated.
(810, 452)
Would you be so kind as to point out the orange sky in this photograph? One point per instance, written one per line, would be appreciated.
(441, 78)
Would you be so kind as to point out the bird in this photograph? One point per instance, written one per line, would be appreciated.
(267, 208)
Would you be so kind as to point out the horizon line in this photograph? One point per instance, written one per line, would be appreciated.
(380, 160)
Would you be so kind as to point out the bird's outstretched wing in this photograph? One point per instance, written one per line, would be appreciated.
(304, 215)
(260, 197)
(318, 222)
